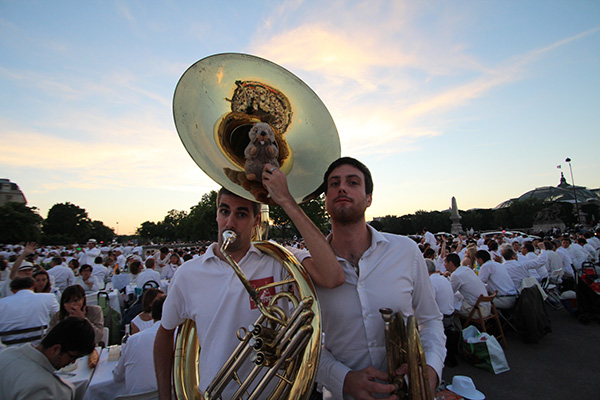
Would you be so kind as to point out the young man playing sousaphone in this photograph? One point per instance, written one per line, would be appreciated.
(207, 291)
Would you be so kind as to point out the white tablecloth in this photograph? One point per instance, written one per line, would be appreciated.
(80, 377)
(102, 385)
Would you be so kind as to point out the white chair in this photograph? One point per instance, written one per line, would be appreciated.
(139, 396)
(91, 299)
(105, 332)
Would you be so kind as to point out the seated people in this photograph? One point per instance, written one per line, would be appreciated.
(27, 371)
(73, 304)
(496, 278)
(136, 365)
(25, 309)
(43, 283)
(148, 274)
(519, 270)
(467, 287)
(169, 269)
(63, 275)
(86, 280)
(144, 319)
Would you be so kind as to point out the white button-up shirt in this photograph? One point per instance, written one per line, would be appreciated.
(393, 274)
(26, 310)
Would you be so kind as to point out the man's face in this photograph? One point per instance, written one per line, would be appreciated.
(566, 243)
(236, 214)
(516, 246)
(449, 266)
(60, 359)
(346, 199)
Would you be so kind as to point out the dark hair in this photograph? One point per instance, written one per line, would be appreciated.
(72, 334)
(84, 267)
(73, 292)
(148, 297)
(98, 260)
(187, 257)
(529, 246)
(508, 253)
(21, 282)
(56, 260)
(135, 267)
(454, 259)
(164, 250)
(75, 263)
(549, 245)
(255, 205)
(356, 164)
(150, 262)
(484, 255)
(157, 308)
(429, 252)
(46, 288)
(492, 245)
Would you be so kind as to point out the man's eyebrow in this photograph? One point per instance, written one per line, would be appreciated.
(224, 205)
(346, 176)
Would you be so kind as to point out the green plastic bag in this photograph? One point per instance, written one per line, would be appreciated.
(482, 350)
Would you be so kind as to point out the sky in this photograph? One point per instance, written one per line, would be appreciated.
(480, 100)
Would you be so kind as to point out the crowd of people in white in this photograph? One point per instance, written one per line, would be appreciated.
(461, 268)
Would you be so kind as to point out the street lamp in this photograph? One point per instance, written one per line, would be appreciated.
(568, 160)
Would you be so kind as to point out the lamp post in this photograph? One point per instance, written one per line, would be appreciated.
(568, 160)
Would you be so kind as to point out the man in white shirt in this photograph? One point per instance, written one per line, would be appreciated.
(495, 276)
(444, 295)
(89, 254)
(528, 251)
(25, 309)
(577, 254)
(63, 275)
(382, 270)
(148, 274)
(207, 290)
(467, 287)
(429, 238)
(519, 270)
(100, 272)
(136, 364)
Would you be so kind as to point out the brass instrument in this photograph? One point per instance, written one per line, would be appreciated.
(403, 345)
(216, 102)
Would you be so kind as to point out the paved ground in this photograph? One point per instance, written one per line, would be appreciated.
(565, 364)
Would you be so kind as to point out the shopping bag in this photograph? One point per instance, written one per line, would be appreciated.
(482, 350)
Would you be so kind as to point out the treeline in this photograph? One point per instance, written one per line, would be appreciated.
(65, 223)
(69, 223)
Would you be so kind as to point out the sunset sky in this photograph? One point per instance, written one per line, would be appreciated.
(477, 100)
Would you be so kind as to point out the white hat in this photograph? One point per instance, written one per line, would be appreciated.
(464, 386)
(92, 241)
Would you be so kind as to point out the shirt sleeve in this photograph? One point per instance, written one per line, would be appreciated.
(332, 373)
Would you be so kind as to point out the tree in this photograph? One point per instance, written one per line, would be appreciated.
(148, 230)
(101, 232)
(200, 223)
(67, 223)
(19, 223)
(285, 229)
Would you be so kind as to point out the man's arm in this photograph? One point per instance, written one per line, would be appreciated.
(164, 353)
(29, 248)
(323, 267)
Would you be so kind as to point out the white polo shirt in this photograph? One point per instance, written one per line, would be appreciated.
(26, 309)
(208, 291)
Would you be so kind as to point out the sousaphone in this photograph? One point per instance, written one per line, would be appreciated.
(216, 103)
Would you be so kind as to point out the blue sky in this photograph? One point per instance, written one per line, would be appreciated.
(478, 100)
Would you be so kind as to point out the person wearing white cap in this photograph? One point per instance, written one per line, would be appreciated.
(89, 254)
(464, 386)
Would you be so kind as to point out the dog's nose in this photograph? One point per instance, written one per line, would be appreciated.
(263, 133)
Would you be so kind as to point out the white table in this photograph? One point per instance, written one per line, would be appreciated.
(80, 377)
(102, 385)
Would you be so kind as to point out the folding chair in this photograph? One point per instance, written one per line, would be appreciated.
(39, 329)
(475, 316)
